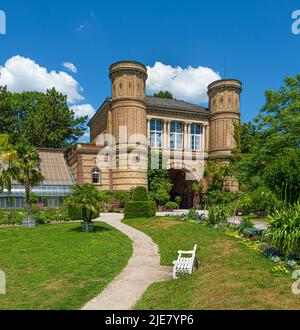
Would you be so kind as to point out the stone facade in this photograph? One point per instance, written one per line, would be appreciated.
(130, 121)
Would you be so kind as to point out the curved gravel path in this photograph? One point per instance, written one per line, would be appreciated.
(142, 270)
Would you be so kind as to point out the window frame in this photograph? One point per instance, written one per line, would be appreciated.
(178, 136)
(156, 133)
(194, 136)
(96, 171)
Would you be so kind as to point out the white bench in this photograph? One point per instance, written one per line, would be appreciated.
(185, 265)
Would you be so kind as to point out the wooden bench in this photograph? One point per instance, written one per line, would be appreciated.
(186, 263)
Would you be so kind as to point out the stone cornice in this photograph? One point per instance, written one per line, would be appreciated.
(221, 88)
(177, 112)
(128, 71)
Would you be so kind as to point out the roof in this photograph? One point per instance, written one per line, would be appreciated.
(54, 168)
(156, 102)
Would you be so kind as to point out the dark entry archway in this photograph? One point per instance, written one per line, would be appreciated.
(182, 187)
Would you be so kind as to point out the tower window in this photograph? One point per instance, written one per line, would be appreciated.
(156, 133)
(96, 176)
(196, 132)
(176, 135)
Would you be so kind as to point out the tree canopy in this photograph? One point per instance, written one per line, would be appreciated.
(43, 120)
(164, 95)
(269, 155)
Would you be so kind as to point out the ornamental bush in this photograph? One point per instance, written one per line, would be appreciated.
(171, 206)
(76, 213)
(140, 194)
(142, 209)
(218, 214)
(284, 230)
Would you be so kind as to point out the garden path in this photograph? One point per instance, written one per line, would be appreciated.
(142, 270)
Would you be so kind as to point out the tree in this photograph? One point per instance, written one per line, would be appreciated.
(270, 146)
(164, 95)
(197, 190)
(88, 199)
(44, 120)
(28, 170)
(7, 158)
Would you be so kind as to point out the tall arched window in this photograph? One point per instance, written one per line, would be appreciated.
(96, 176)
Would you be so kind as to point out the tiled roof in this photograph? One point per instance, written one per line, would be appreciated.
(156, 102)
(55, 168)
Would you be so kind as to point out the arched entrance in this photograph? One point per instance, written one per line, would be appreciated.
(183, 179)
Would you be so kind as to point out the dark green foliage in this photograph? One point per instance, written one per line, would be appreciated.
(218, 214)
(122, 197)
(270, 155)
(164, 95)
(44, 120)
(246, 223)
(170, 206)
(76, 213)
(140, 209)
(284, 230)
(88, 199)
(140, 194)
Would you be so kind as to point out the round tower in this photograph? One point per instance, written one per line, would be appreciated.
(129, 124)
(224, 103)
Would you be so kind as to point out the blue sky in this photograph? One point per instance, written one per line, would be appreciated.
(255, 37)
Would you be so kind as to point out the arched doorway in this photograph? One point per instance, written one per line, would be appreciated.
(183, 179)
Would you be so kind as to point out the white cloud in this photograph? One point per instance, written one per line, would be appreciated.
(70, 66)
(82, 110)
(188, 84)
(23, 74)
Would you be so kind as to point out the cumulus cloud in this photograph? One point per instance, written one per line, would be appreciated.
(70, 66)
(23, 74)
(82, 110)
(188, 84)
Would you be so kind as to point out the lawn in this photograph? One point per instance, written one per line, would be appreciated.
(231, 276)
(59, 267)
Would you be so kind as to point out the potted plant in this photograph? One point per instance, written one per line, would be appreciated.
(88, 199)
(29, 175)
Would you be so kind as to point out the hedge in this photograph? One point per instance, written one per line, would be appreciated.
(145, 209)
(140, 194)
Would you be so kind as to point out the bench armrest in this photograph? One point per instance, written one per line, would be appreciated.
(186, 252)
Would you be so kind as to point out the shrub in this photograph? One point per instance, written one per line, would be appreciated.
(284, 230)
(170, 206)
(11, 217)
(122, 197)
(246, 223)
(194, 215)
(140, 209)
(218, 214)
(244, 203)
(178, 200)
(140, 194)
(76, 213)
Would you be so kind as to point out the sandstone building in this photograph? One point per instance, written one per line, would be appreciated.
(129, 121)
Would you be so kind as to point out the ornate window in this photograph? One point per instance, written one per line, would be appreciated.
(96, 176)
(196, 133)
(156, 133)
(176, 135)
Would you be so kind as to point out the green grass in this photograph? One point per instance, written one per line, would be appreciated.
(59, 267)
(231, 276)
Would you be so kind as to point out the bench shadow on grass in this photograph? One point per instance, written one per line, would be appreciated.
(97, 229)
